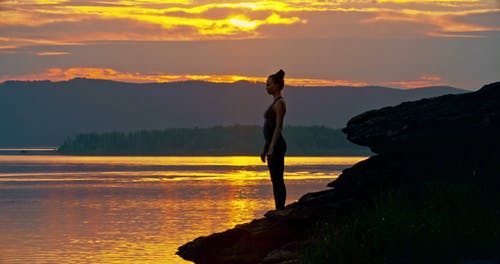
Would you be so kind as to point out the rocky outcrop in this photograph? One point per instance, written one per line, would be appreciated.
(428, 125)
(273, 239)
(447, 138)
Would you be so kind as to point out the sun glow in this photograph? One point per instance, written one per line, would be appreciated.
(243, 23)
(195, 17)
(201, 20)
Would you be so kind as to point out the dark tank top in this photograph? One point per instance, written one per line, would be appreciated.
(268, 130)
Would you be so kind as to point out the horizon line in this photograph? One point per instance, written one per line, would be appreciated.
(110, 74)
(287, 84)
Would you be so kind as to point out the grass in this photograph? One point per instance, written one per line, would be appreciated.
(443, 223)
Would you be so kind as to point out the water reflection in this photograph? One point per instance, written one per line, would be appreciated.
(171, 160)
(104, 215)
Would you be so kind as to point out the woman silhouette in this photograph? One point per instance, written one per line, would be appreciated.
(275, 146)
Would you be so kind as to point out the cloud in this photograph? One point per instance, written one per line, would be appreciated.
(91, 29)
(117, 22)
(441, 23)
(425, 80)
(199, 20)
(487, 19)
(352, 24)
(52, 53)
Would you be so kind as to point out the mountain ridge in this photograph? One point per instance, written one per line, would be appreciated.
(240, 82)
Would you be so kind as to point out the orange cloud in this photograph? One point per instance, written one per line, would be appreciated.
(59, 74)
(423, 81)
(52, 53)
(445, 23)
(79, 21)
(234, 22)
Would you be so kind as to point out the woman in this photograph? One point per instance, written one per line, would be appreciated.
(275, 146)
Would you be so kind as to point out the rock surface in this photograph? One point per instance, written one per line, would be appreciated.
(447, 138)
(273, 239)
(445, 121)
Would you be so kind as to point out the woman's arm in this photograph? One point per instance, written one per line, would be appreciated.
(280, 109)
(264, 152)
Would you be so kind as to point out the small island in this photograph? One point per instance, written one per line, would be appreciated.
(430, 194)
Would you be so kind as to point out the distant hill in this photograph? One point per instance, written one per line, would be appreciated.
(44, 113)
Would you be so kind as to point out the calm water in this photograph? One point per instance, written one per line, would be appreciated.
(70, 209)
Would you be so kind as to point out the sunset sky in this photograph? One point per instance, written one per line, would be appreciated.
(396, 43)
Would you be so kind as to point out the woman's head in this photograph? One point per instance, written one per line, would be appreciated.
(275, 82)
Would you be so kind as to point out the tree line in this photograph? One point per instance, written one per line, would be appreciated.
(218, 140)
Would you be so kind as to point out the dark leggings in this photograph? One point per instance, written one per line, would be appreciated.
(276, 164)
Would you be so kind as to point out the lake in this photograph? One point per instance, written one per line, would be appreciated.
(88, 209)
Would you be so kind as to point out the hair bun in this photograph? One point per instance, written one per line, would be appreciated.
(280, 74)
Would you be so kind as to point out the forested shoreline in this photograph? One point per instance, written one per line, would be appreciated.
(218, 140)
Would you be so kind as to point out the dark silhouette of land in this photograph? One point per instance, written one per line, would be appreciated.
(44, 113)
(233, 140)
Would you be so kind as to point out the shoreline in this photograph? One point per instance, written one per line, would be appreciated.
(42, 153)
(29, 151)
(55, 151)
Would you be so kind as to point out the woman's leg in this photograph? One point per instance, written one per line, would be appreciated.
(276, 166)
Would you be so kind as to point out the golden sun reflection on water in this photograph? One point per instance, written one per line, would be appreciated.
(173, 160)
(71, 209)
